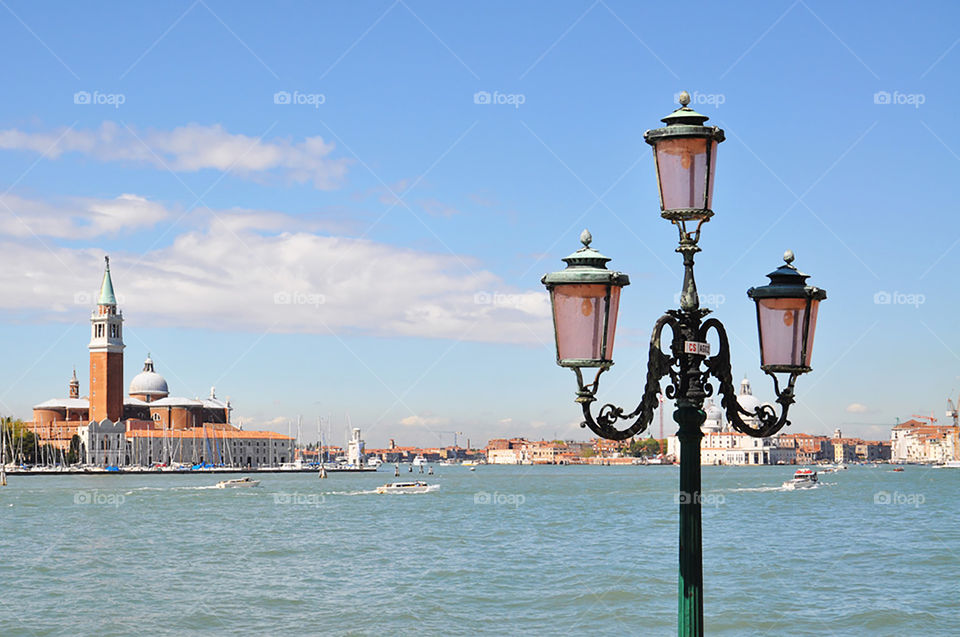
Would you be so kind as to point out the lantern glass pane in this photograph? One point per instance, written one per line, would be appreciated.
(781, 331)
(682, 170)
(578, 315)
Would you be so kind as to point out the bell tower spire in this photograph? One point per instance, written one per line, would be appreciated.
(106, 354)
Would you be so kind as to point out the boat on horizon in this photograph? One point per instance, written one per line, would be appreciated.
(406, 487)
(238, 482)
(802, 479)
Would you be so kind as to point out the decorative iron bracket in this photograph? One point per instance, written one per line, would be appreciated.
(658, 366)
(719, 367)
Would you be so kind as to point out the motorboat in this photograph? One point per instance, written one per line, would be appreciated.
(405, 487)
(802, 479)
(419, 461)
(238, 482)
(898, 469)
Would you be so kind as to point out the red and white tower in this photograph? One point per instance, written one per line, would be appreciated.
(106, 354)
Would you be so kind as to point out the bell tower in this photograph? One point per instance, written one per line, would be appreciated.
(106, 354)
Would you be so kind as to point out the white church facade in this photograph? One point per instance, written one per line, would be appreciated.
(723, 445)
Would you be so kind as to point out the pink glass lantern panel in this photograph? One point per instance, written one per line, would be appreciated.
(682, 170)
(578, 312)
(781, 331)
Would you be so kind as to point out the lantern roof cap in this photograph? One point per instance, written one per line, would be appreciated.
(787, 282)
(586, 265)
(685, 114)
(586, 255)
(684, 122)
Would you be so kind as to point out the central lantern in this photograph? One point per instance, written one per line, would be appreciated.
(685, 152)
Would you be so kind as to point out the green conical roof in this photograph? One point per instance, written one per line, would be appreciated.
(106, 288)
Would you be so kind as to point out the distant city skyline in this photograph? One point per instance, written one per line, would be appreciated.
(357, 233)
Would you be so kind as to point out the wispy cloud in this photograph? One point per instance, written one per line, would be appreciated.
(78, 217)
(192, 148)
(251, 270)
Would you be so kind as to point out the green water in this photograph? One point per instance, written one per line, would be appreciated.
(502, 550)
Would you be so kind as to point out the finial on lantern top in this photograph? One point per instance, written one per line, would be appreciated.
(788, 256)
(683, 98)
(586, 238)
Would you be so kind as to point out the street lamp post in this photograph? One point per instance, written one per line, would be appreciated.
(585, 299)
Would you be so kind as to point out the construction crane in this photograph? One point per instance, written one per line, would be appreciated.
(455, 434)
(952, 411)
(930, 417)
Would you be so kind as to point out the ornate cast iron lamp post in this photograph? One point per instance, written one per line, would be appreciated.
(585, 297)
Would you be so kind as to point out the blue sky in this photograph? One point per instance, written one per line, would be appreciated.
(372, 250)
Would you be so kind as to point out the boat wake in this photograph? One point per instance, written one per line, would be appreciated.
(181, 488)
(745, 489)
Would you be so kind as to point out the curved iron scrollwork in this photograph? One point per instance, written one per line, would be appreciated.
(718, 366)
(658, 366)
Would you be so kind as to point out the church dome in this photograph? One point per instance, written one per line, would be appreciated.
(747, 400)
(149, 383)
(714, 419)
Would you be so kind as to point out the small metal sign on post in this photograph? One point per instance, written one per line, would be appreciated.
(693, 347)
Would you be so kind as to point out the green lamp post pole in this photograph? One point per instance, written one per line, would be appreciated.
(585, 299)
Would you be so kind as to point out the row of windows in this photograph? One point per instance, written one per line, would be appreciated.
(114, 330)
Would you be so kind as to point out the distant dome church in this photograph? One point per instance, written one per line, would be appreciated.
(148, 427)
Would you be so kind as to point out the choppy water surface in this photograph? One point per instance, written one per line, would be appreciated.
(518, 550)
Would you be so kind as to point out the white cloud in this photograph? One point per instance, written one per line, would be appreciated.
(424, 421)
(77, 217)
(241, 271)
(192, 148)
(857, 408)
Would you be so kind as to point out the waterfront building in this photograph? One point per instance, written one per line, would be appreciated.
(149, 426)
(914, 441)
(722, 445)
